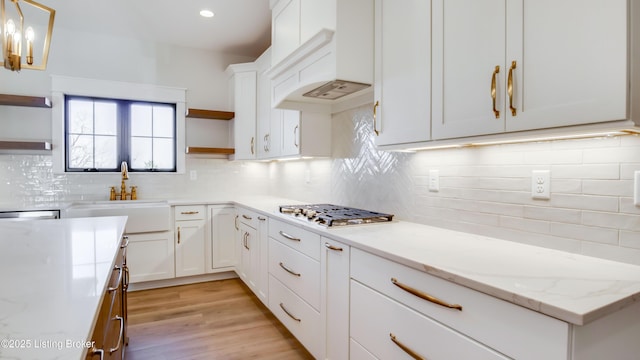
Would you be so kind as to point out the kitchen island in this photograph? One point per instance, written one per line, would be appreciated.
(53, 276)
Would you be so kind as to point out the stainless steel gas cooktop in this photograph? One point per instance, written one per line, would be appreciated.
(334, 215)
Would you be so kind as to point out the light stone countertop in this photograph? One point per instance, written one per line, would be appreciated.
(575, 288)
(53, 276)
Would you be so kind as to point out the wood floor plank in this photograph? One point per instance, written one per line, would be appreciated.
(214, 320)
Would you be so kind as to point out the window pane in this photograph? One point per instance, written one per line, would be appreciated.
(80, 151)
(141, 153)
(141, 120)
(106, 114)
(80, 116)
(163, 153)
(106, 152)
(163, 119)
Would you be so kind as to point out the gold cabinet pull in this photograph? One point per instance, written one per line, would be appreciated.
(295, 136)
(246, 241)
(287, 236)
(252, 143)
(510, 88)
(236, 222)
(424, 295)
(120, 273)
(289, 270)
(331, 247)
(375, 113)
(493, 91)
(288, 313)
(405, 348)
(121, 319)
(262, 218)
(247, 217)
(178, 234)
(190, 212)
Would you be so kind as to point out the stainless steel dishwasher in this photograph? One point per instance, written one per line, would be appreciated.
(30, 215)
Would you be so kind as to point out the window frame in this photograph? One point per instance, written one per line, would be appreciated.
(123, 135)
(65, 85)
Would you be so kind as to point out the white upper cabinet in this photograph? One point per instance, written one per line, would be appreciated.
(511, 66)
(402, 71)
(268, 124)
(571, 62)
(242, 99)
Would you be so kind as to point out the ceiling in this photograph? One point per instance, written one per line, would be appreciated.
(240, 27)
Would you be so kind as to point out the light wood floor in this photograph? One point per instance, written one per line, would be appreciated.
(219, 320)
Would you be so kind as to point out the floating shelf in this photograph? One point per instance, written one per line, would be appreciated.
(21, 100)
(25, 145)
(210, 114)
(208, 150)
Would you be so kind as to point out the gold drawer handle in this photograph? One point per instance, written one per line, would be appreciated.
(289, 270)
(247, 217)
(514, 111)
(331, 247)
(405, 348)
(288, 313)
(424, 295)
(287, 236)
(375, 114)
(190, 212)
(493, 91)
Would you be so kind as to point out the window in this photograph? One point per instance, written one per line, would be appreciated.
(101, 133)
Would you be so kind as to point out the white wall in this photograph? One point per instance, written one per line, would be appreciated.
(484, 190)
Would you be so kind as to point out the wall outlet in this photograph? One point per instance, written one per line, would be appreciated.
(541, 184)
(434, 180)
(193, 175)
(636, 188)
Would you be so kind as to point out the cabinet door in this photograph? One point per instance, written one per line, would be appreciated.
(151, 257)
(570, 62)
(468, 55)
(243, 92)
(190, 247)
(263, 268)
(249, 253)
(285, 29)
(220, 245)
(335, 276)
(290, 132)
(402, 71)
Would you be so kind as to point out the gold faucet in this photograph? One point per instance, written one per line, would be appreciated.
(113, 195)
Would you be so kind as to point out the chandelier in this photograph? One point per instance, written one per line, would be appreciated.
(25, 30)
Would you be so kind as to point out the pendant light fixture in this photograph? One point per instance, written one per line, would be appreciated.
(25, 32)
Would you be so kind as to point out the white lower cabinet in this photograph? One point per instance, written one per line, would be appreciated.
(150, 256)
(357, 352)
(510, 329)
(390, 330)
(251, 237)
(300, 318)
(335, 307)
(190, 240)
(220, 249)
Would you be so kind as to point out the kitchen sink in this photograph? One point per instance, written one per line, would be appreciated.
(143, 216)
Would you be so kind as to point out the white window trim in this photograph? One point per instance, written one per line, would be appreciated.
(63, 85)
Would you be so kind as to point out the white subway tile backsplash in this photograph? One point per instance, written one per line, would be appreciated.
(590, 210)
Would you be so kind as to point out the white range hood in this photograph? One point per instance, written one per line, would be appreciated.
(332, 71)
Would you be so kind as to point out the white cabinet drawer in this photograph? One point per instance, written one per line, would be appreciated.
(300, 318)
(298, 272)
(513, 330)
(384, 326)
(248, 217)
(300, 239)
(190, 212)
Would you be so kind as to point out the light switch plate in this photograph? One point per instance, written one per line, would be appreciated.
(541, 184)
(434, 180)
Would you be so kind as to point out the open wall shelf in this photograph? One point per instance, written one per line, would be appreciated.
(210, 114)
(21, 100)
(208, 150)
(25, 145)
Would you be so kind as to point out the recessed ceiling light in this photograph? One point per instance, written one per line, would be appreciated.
(206, 13)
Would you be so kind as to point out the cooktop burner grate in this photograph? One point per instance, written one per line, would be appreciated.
(335, 215)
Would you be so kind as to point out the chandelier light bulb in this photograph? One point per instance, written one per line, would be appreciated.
(11, 27)
(29, 34)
